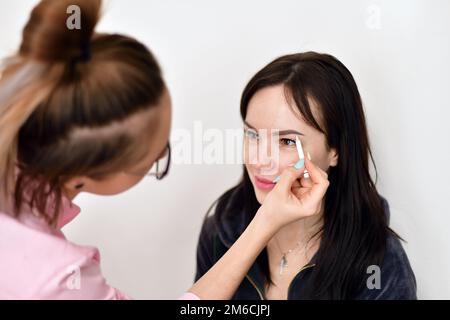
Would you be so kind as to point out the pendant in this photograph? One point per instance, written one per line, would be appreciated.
(283, 264)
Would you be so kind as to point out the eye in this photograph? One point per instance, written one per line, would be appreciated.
(251, 134)
(287, 142)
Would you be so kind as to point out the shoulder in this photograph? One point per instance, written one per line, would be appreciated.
(43, 265)
(209, 227)
(396, 277)
(397, 268)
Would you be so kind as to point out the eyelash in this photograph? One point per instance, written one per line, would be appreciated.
(287, 142)
(251, 134)
(283, 141)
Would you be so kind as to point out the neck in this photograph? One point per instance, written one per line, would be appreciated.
(303, 230)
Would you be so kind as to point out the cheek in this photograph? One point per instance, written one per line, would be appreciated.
(259, 194)
(250, 152)
(286, 159)
(128, 181)
(115, 185)
(320, 158)
(250, 171)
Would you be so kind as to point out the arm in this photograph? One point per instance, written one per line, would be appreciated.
(205, 247)
(79, 279)
(229, 271)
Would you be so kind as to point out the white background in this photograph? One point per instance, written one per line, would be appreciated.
(398, 52)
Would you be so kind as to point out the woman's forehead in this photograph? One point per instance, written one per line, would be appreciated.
(269, 108)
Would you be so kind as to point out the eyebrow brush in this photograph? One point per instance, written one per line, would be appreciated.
(301, 156)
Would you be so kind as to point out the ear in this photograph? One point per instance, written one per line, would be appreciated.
(333, 157)
(75, 184)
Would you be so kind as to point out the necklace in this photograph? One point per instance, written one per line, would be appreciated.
(283, 261)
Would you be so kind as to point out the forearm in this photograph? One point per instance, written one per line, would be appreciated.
(222, 280)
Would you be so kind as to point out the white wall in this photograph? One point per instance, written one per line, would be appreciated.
(398, 52)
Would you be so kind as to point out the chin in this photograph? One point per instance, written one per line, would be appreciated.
(260, 196)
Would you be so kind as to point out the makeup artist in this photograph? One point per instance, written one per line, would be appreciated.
(88, 112)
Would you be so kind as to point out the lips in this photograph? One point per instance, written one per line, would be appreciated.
(263, 183)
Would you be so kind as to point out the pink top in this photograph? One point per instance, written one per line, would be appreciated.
(38, 262)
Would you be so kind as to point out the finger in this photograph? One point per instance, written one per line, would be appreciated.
(288, 177)
(315, 173)
(299, 192)
(296, 184)
(319, 179)
(322, 172)
(306, 182)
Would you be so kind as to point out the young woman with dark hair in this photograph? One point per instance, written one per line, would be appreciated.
(331, 255)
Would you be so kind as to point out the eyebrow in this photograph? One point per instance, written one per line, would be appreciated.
(280, 132)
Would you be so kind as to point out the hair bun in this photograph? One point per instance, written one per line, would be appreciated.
(47, 35)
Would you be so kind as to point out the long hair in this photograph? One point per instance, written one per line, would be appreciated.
(64, 98)
(355, 227)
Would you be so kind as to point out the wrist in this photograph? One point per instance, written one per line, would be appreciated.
(263, 224)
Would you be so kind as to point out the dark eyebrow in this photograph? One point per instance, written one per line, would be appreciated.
(280, 133)
(286, 132)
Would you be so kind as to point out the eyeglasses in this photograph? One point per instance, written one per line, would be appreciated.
(160, 168)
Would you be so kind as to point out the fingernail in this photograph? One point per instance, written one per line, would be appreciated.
(306, 174)
(309, 156)
(300, 163)
(276, 179)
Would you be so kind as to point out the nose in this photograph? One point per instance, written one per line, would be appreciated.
(266, 158)
(263, 161)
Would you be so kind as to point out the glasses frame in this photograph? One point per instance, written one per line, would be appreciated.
(160, 176)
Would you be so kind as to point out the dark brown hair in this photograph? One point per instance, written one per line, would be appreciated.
(64, 98)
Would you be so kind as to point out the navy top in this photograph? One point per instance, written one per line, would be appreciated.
(217, 235)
